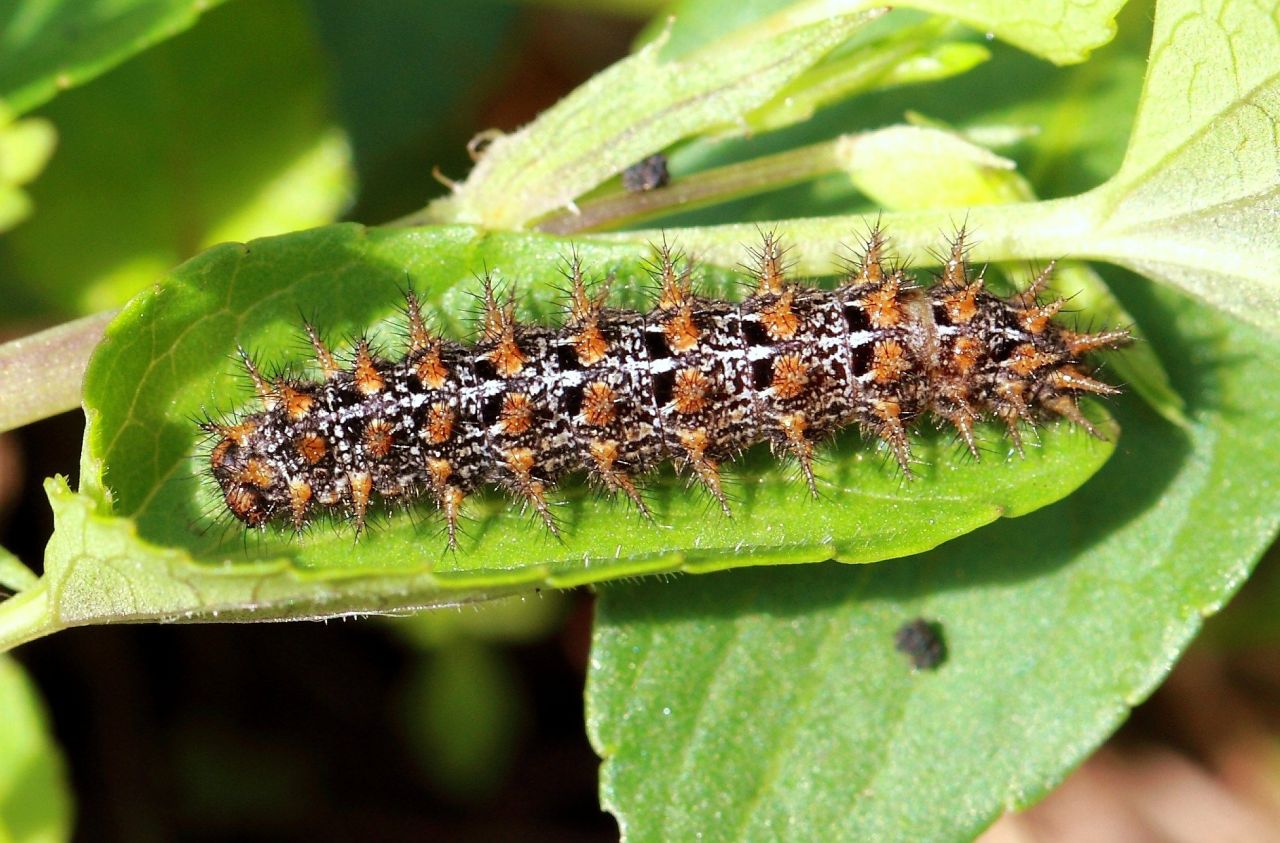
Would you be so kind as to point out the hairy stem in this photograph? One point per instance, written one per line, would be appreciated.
(40, 374)
(25, 617)
(716, 185)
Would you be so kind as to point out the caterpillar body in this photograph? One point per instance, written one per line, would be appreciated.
(615, 393)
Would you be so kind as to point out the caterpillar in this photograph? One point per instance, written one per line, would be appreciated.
(615, 393)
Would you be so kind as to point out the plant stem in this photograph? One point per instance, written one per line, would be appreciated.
(716, 185)
(1028, 231)
(25, 617)
(40, 374)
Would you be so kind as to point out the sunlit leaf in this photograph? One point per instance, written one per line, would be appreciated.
(1059, 30)
(35, 804)
(150, 538)
(638, 106)
(1195, 203)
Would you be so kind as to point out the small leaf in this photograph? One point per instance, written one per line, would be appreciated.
(1063, 31)
(910, 54)
(910, 167)
(638, 106)
(1195, 203)
(13, 574)
(35, 803)
(52, 46)
(787, 685)
(25, 147)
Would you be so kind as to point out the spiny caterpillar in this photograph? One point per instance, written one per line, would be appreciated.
(615, 393)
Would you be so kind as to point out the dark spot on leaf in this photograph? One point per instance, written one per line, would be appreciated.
(922, 640)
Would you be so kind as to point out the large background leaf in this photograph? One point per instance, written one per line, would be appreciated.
(786, 683)
(50, 45)
(161, 158)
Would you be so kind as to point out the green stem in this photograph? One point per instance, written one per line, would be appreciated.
(26, 616)
(40, 374)
(709, 187)
(1027, 231)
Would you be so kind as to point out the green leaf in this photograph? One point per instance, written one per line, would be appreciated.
(48, 47)
(636, 107)
(909, 54)
(25, 147)
(913, 167)
(162, 158)
(35, 803)
(144, 539)
(1194, 204)
(13, 574)
(771, 703)
(462, 711)
(1059, 30)
(1062, 31)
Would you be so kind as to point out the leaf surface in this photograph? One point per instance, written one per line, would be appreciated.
(148, 536)
(1202, 175)
(1059, 30)
(46, 47)
(162, 158)
(35, 805)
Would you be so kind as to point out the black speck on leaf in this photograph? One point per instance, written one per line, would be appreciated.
(922, 641)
